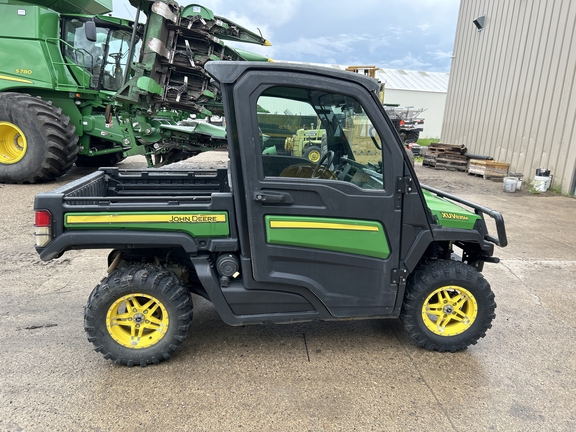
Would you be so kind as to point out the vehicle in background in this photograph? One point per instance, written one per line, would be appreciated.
(77, 90)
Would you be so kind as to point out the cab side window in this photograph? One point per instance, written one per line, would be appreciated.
(313, 134)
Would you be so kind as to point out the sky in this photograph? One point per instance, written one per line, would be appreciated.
(412, 35)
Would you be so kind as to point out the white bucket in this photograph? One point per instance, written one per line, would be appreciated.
(541, 183)
(510, 184)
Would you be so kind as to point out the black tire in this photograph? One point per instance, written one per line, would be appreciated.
(412, 136)
(106, 160)
(313, 154)
(460, 294)
(44, 143)
(157, 300)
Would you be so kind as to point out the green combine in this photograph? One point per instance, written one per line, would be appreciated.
(80, 86)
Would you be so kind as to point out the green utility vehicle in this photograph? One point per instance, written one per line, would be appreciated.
(79, 86)
(277, 238)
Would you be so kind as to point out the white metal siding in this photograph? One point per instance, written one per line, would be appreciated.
(511, 93)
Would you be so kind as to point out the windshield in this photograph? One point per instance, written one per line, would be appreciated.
(105, 59)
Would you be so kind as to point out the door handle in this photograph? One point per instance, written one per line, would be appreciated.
(273, 198)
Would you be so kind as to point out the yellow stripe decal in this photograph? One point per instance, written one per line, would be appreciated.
(151, 218)
(21, 80)
(321, 225)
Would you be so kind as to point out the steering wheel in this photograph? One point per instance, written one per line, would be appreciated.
(328, 158)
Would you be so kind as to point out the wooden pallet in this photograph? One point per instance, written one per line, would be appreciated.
(491, 170)
(452, 162)
(429, 159)
(446, 156)
(447, 148)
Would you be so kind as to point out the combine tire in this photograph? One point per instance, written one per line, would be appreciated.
(37, 141)
(448, 306)
(138, 315)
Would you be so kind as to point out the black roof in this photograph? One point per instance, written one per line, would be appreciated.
(229, 71)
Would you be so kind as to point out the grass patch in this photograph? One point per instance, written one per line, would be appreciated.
(427, 141)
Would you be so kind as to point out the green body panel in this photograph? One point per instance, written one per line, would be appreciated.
(449, 214)
(359, 237)
(95, 126)
(196, 224)
(149, 85)
(89, 7)
(195, 9)
(30, 50)
(250, 56)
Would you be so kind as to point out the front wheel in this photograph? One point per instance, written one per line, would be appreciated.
(448, 306)
(138, 315)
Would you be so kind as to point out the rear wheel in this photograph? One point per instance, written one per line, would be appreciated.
(448, 306)
(138, 315)
(37, 141)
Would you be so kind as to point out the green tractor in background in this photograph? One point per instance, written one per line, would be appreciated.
(79, 86)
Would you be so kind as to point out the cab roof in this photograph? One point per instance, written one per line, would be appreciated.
(227, 72)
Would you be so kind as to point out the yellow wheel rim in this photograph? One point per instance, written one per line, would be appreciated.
(13, 143)
(137, 321)
(449, 311)
(314, 156)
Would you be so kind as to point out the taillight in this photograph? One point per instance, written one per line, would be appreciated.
(43, 227)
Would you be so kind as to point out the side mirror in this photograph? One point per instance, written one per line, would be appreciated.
(90, 30)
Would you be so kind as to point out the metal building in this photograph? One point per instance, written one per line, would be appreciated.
(418, 89)
(512, 91)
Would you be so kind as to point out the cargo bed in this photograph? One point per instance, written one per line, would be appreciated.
(124, 192)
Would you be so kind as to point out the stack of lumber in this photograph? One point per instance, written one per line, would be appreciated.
(446, 156)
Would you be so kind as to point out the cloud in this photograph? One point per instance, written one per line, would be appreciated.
(387, 33)
(275, 11)
(439, 55)
(333, 49)
(408, 62)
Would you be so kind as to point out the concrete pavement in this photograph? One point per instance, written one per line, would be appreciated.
(357, 375)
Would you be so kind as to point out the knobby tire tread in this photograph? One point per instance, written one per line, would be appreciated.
(138, 278)
(59, 141)
(434, 274)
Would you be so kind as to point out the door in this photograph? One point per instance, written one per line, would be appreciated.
(319, 164)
